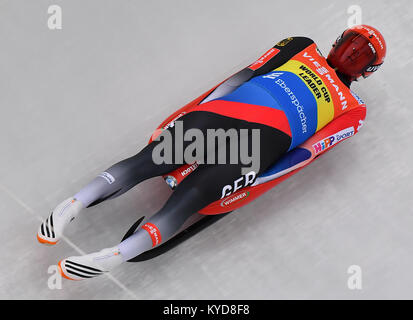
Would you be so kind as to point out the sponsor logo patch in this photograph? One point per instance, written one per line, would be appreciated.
(107, 176)
(264, 58)
(235, 198)
(190, 169)
(153, 232)
(333, 139)
(284, 42)
(171, 182)
(373, 68)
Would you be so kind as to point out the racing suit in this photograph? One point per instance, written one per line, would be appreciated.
(300, 106)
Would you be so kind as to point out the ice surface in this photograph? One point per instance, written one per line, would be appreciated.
(76, 100)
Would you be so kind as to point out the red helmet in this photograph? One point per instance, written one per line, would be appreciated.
(359, 51)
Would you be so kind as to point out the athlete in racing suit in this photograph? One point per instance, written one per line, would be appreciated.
(301, 105)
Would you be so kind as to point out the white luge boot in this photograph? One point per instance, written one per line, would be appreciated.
(51, 230)
(90, 265)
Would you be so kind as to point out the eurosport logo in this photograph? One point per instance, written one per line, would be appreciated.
(332, 140)
(235, 198)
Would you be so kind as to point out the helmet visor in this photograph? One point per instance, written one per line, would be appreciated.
(353, 54)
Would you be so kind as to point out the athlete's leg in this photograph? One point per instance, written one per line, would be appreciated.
(118, 179)
(201, 188)
(124, 175)
(194, 193)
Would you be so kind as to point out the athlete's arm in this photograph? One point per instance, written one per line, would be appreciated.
(272, 59)
(327, 138)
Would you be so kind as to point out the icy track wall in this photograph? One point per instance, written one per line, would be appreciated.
(77, 99)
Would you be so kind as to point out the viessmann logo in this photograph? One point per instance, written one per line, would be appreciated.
(234, 199)
(333, 139)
